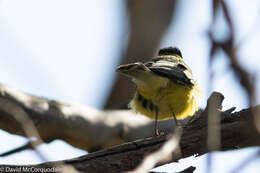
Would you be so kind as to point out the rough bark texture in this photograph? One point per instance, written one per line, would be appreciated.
(237, 131)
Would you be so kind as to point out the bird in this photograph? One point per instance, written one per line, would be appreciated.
(165, 87)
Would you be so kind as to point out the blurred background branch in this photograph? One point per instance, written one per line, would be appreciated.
(148, 22)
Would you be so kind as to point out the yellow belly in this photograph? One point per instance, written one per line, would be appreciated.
(174, 99)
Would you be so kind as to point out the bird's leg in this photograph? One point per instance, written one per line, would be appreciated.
(191, 119)
(156, 133)
(175, 120)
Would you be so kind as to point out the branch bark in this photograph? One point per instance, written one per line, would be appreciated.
(76, 124)
(237, 131)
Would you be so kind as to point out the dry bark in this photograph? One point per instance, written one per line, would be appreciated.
(237, 131)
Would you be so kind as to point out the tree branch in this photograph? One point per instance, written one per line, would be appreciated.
(76, 124)
(237, 131)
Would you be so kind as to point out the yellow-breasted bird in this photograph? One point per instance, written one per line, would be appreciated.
(165, 87)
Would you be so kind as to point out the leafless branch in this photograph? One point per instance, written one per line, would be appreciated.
(162, 155)
(76, 124)
(26, 124)
(237, 131)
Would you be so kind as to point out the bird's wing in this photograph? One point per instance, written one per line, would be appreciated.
(174, 69)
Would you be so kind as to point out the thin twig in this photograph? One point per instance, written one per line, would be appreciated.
(26, 124)
(18, 149)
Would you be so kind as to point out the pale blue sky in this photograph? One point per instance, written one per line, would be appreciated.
(67, 50)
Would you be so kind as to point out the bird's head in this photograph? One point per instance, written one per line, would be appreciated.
(170, 51)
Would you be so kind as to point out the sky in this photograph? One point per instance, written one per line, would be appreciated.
(67, 50)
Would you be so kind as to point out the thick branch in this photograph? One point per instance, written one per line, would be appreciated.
(237, 131)
(76, 124)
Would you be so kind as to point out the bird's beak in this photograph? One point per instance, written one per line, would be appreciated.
(129, 68)
(124, 68)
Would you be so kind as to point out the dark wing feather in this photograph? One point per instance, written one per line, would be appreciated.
(172, 68)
